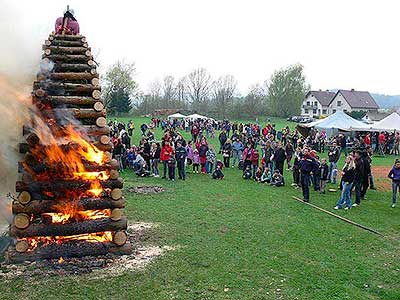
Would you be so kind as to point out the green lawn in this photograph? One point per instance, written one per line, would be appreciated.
(241, 240)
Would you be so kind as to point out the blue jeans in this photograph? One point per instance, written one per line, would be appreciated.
(332, 166)
(209, 167)
(305, 185)
(395, 188)
(237, 155)
(346, 195)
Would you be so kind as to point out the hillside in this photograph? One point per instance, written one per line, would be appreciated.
(387, 101)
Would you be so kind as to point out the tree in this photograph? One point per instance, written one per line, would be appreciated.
(119, 87)
(169, 92)
(254, 101)
(224, 90)
(286, 91)
(199, 82)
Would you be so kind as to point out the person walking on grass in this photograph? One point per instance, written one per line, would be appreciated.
(394, 175)
(347, 183)
(180, 155)
(237, 147)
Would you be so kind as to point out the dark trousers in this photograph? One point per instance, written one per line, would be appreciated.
(171, 172)
(357, 190)
(279, 166)
(365, 185)
(305, 186)
(181, 169)
(165, 165)
(226, 161)
(296, 175)
(316, 182)
(245, 164)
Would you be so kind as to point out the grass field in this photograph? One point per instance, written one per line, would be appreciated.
(236, 239)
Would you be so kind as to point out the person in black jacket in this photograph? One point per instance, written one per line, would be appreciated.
(279, 157)
(307, 165)
(333, 155)
(226, 153)
(323, 175)
(222, 140)
(180, 155)
(359, 174)
(347, 183)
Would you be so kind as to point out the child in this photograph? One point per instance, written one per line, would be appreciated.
(323, 175)
(247, 172)
(171, 167)
(211, 155)
(196, 161)
(277, 179)
(258, 174)
(217, 174)
(394, 174)
(266, 176)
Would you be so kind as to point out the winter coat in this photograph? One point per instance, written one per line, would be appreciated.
(189, 151)
(180, 153)
(323, 172)
(166, 152)
(196, 158)
(211, 155)
(394, 174)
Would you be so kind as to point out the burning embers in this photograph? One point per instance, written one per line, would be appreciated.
(70, 200)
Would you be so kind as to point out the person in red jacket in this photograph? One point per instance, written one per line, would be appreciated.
(166, 152)
(367, 140)
(381, 140)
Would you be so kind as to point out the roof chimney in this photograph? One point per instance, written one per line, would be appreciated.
(352, 90)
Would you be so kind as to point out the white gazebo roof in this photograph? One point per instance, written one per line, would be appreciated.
(176, 116)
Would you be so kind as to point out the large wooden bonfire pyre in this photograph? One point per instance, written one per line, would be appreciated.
(69, 196)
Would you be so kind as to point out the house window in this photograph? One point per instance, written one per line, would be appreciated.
(314, 111)
(339, 103)
(334, 110)
(324, 111)
(315, 103)
(306, 111)
(308, 103)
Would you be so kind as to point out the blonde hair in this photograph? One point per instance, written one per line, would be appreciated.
(351, 164)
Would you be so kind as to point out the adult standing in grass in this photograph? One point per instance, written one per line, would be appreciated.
(211, 156)
(307, 165)
(180, 155)
(227, 152)
(203, 148)
(359, 174)
(237, 147)
(333, 156)
(279, 157)
(166, 151)
(394, 175)
(347, 183)
(247, 153)
(222, 140)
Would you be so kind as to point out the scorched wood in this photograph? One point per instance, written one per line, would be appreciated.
(62, 185)
(67, 249)
(90, 130)
(86, 226)
(67, 87)
(60, 67)
(46, 206)
(64, 43)
(73, 58)
(73, 76)
(66, 50)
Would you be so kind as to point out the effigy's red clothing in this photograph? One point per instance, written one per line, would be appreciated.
(72, 27)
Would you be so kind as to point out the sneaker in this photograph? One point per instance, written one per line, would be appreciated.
(156, 176)
(393, 205)
(336, 207)
(346, 208)
(293, 184)
(355, 205)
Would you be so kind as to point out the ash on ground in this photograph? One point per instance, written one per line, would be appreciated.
(101, 266)
(146, 189)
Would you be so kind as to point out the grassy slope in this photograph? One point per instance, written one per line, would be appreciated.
(253, 239)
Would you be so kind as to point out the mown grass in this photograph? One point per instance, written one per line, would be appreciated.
(236, 239)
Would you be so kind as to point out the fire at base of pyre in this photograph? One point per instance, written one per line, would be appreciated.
(101, 266)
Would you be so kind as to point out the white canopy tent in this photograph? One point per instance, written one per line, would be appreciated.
(390, 123)
(339, 121)
(176, 116)
(197, 116)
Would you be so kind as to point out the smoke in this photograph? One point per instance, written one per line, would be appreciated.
(19, 61)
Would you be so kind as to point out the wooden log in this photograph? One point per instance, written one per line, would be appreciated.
(105, 139)
(89, 130)
(101, 122)
(21, 246)
(96, 94)
(37, 207)
(67, 87)
(95, 81)
(80, 113)
(120, 238)
(86, 226)
(72, 58)
(70, 67)
(116, 214)
(67, 250)
(66, 50)
(24, 197)
(67, 37)
(72, 100)
(25, 147)
(64, 43)
(88, 76)
(114, 174)
(116, 194)
(21, 221)
(62, 185)
(98, 106)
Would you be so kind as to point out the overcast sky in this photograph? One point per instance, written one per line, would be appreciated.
(342, 43)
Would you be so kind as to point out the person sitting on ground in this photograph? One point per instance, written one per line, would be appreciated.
(258, 174)
(217, 174)
(277, 179)
(67, 24)
(266, 176)
(247, 172)
(394, 175)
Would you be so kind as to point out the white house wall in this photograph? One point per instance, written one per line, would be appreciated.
(318, 108)
(344, 106)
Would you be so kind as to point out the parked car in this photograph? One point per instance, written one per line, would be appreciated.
(306, 120)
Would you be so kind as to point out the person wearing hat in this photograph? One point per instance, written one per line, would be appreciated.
(67, 24)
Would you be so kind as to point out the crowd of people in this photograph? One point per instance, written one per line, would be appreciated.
(259, 152)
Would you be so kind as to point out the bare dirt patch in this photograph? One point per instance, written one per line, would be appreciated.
(146, 189)
(100, 266)
(382, 182)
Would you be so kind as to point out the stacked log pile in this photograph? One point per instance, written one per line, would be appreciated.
(68, 90)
